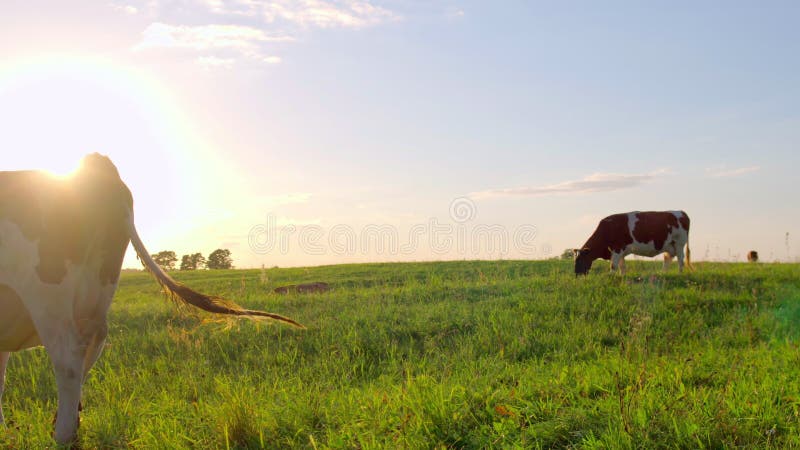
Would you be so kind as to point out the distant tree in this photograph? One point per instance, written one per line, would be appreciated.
(220, 259)
(166, 259)
(186, 263)
(194, 261)
(568, 254)
(199, 260)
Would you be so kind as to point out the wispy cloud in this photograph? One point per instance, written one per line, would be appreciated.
(235, 40)
(225, 40)
(597, 182)
(233, 7)
(722, 172)
(127, 9)
(307, 13)
(327, 14)
(454, 13)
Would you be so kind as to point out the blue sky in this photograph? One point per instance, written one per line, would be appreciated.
(321, 113)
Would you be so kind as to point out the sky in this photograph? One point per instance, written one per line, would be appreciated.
(315, 132)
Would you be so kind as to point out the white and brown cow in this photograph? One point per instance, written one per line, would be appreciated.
(62, 241)
(647, 233)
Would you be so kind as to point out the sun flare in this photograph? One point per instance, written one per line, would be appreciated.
(57, 109)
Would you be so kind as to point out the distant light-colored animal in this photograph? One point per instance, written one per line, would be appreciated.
(305, 288)
(648, 233)
(752, 256)
(62, 241)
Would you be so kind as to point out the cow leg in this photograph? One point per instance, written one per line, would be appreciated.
(622, 265)
(667, 260)
(67, 357)
(93, 349)
(3, 363)
(67, 345)
(616, 259)
(680, 259)
(72, 359)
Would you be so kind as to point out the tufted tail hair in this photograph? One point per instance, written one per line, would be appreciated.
(179, 292)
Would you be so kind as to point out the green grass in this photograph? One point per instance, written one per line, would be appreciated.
(508, 354)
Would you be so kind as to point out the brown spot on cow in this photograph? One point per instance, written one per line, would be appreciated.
(684, 220)
(650, 227)
(611, 235)
(16, 328)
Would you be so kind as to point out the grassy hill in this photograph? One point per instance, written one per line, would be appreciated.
(508, 354)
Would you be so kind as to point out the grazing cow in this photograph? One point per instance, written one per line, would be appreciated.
(646, 233)
(752, 256)
(62, 241)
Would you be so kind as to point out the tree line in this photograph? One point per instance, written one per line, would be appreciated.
(218, 259)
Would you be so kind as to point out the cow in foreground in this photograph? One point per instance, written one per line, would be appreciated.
(647, 233)
(62, 241)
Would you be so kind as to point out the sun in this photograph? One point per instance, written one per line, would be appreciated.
(56, 109)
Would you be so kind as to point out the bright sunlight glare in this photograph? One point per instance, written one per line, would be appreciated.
(55, 110)
(58, 109)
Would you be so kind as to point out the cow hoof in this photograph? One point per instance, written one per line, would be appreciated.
(70, 443)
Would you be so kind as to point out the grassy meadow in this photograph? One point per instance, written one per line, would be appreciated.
(469, 354)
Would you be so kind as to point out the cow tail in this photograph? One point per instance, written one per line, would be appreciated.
(688, 255)
(183, 294)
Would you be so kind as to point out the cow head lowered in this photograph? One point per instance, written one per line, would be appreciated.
(583, 261)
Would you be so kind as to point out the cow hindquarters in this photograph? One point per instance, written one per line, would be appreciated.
(3, 363)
